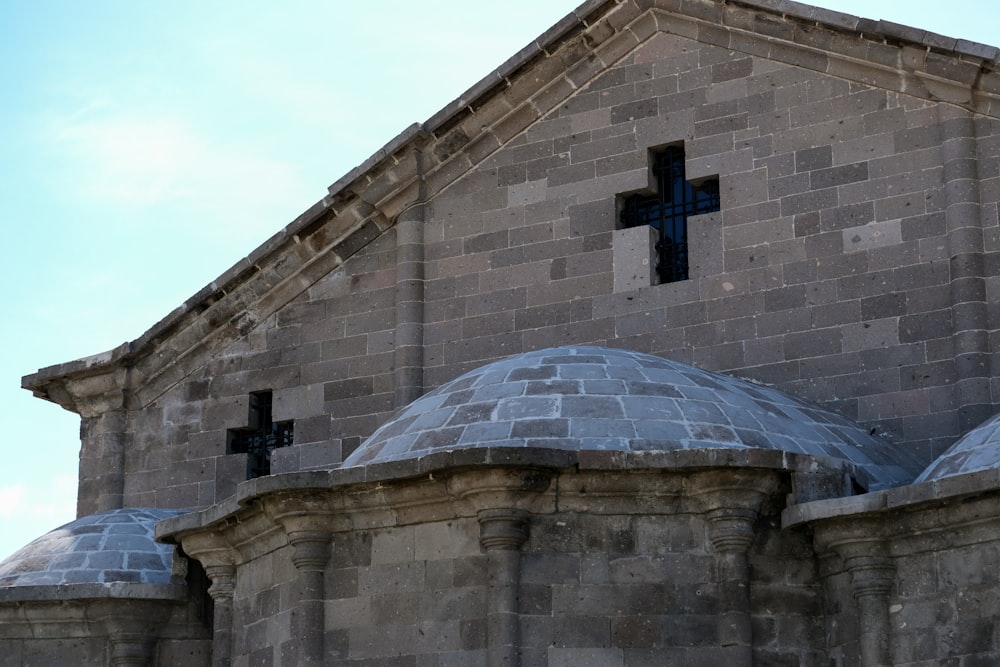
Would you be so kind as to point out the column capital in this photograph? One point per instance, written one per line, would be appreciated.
(211, 548)
(731, 529)
(731, 500)
(131, 650)
(310, 549)
(223, 578)
(503, 529)
(499, 488)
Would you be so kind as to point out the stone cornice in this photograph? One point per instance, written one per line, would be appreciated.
(115, 590)
(461, 483)
(427, 158)
(918, 517)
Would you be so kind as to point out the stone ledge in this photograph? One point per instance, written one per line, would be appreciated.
(115, 590)
(250, 493)
(901, 498)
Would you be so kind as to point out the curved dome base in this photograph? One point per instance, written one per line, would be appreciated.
(601, 399)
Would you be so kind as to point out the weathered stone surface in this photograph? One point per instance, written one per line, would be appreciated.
(110, 548)
(589, 398)
(850, 265)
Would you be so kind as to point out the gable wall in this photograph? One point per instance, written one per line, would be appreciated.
(828, 271)
(327, 358)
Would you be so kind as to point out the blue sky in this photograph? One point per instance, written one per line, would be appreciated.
(146, 147)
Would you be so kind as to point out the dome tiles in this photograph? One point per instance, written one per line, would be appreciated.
(595, 398)
(977, 450)
(110, 547)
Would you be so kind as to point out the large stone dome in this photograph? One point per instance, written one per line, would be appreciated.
(979, 449)
(594, 398)
(107, 548)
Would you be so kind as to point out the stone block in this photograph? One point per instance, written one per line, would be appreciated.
(585, 657)
(398, 577)
(635, 258)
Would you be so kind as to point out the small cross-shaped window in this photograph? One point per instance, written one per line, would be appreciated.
(668, 209)
(261, 436)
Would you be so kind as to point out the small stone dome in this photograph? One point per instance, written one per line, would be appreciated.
(979, 449)
(594, 398)
(110, 547)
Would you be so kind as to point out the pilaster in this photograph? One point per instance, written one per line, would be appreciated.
(409, 333)
(502, 498)
(731, 501)
(502, 534)
(863, 548)
(305, 519)
(970, 316)
(131, 650)
(213, 551)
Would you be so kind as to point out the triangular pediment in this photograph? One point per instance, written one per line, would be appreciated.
(428, 158)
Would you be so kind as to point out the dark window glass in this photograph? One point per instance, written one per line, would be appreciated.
(667, 211)
(260, 437)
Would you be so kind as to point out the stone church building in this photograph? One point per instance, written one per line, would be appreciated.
(670, 342)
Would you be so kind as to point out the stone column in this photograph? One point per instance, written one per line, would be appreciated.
(865, 555)
(731, 501)
(218, 558)
(102, 463)
(409, 334)
(223, 578)
(307, 520)
(310, 554)
(861, 544)
(969, 312)
(731, 533)
(100, 397)
(502, 533)
(131, 650)
(502, 499)
(133, 627)
(872, 578)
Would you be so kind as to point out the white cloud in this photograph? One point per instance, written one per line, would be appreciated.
(149, 161)
(30, 510)
(57, 503)
(12, 500)
(54, 500)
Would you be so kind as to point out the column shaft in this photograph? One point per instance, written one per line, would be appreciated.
(871, 582)
(311, 551)
(223, 579)
(409, 334)
(970, 316)
(503, 533)
(731, 533)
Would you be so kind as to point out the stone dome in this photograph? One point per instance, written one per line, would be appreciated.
(595, 398)
(110, 547)
(979, 449)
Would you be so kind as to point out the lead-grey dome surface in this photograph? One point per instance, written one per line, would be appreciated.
(110, 547)
(979, 449)
(594, 398)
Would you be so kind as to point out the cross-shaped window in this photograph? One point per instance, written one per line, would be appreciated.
(668, 209)
(261, 436)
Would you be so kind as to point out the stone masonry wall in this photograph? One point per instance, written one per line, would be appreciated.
(49, 651)
(642, 590)
(844, 267)
(918, 575)
(412, 590)
(947, 594)
(595, 589)
(828, 272)
(327, 358)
